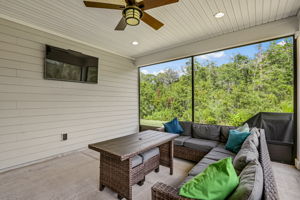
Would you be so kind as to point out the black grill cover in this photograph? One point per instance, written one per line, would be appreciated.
(279, 127)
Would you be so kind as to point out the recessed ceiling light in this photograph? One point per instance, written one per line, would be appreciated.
(135, 43)
(219, 15)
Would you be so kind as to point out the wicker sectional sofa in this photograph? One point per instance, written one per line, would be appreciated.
(205, 144)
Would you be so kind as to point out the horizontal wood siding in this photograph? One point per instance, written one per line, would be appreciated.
(34, 112)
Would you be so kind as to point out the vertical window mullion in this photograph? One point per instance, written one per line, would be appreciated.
(193, 88)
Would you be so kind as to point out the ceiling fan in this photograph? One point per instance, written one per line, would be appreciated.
(133, 11)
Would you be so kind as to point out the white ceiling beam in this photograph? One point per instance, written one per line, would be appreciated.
(280, 28)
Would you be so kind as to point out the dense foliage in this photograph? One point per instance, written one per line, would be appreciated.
(226, 94)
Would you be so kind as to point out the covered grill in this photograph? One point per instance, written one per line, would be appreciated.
(280, 134)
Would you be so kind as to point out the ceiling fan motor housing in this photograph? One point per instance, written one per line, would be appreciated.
(133, 11)
(132, 15)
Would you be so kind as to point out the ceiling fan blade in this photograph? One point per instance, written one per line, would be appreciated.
(121, 25)
(148, 4)
(103, 5)
(151, 21)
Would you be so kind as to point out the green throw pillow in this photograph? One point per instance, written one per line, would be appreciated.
(216, 182)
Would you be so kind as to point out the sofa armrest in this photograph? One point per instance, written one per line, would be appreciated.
(270, 191)
(162, 191)
(161, 129)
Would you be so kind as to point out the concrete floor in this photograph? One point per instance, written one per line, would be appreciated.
(288, 181)
(75, 177)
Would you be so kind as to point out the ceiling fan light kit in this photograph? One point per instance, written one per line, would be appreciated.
(133, 12)
(132, 15)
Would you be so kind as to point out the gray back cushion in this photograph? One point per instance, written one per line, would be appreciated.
(225, 133)
(253, 137)
(247, 153)
(187, 128)
(205, 131)
(255, 130)
(251, 183)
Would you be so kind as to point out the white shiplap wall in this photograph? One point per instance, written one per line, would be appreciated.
(34, 112)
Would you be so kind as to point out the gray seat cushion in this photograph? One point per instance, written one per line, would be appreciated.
(247, 153)
(251, 183)
(200, 144)
(205, 131)
(187, 128)
(225, 132)
(201, 166)
(184, 181)
(218, 154)
(221, 148)
(136, 160)
(150, 154)
(180, 140)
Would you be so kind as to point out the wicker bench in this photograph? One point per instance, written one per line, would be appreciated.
(143, 165)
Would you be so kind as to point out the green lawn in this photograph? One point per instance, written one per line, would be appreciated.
(155, 123)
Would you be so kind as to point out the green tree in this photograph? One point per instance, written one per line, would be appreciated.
(228, 94)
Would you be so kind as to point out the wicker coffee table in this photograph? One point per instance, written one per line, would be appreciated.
(116, 159)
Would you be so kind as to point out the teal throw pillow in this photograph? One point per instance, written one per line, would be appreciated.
(235, 140)
(173, 126)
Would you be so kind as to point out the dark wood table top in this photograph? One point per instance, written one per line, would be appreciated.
(131, 145)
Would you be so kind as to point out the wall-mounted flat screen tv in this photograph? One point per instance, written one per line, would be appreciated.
(68, 65)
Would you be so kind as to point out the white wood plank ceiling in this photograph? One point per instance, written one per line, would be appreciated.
(185, 21)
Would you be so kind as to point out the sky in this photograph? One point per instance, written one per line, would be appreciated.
(219, 57)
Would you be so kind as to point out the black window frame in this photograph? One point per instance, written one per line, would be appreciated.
(295, 61)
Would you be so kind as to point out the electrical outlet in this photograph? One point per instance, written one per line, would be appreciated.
(64, 136)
